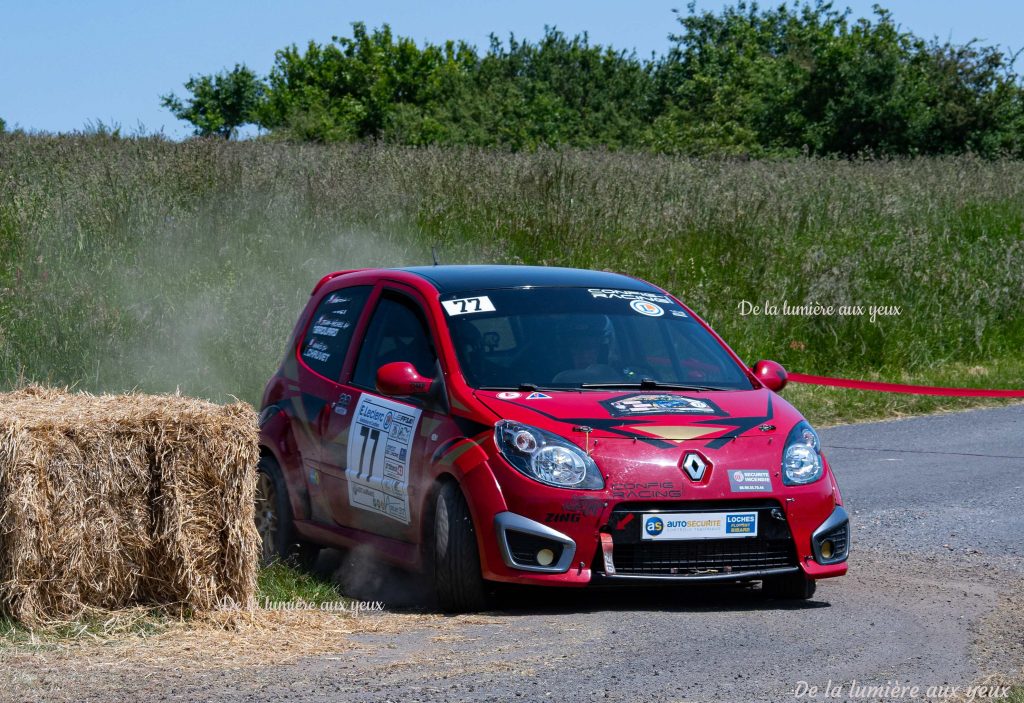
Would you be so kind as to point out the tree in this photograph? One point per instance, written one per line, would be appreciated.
(805, 77)
(220, 103)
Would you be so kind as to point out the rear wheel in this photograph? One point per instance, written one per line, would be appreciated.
(275, 523)
(793, 586)
(458, 581)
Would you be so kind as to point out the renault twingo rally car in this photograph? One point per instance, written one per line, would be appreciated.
(542, 426)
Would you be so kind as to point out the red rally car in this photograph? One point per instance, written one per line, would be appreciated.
(542, 426)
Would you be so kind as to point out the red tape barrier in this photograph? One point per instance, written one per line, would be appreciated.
(902, 387)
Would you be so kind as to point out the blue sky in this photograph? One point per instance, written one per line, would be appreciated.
(64, 63)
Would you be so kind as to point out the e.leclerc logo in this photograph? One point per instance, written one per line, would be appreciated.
(654, 526)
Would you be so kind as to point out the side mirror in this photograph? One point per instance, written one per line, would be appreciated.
(401, 378)
(771, 374)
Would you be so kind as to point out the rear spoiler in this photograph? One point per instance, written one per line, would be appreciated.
(329, 276)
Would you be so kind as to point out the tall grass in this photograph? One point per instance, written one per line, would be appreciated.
(144, 263)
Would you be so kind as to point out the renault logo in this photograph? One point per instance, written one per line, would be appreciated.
(694, 465)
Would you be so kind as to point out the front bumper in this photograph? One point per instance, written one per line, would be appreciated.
(616, 552)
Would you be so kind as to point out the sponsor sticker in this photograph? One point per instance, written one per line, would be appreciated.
(614, 294)
(659, 404)
(750, 480)
(652, 489)
(317, 350)
(379, 450)
(645, 307)
(509, 395)
(684, 526)
(465, 306)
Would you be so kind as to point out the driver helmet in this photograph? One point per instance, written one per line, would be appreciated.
(588, 332)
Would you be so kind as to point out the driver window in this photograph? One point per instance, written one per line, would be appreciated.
(398, 331)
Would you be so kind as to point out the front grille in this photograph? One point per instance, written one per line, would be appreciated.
(707, 556)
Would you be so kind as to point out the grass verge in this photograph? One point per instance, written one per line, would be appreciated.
(280, 587)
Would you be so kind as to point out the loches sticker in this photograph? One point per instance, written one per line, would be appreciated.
(379, 451)
(464, 306)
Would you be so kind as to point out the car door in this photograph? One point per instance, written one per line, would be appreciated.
(322, 353)
(378, 447)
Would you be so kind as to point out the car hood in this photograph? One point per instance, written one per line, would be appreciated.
(660, 418)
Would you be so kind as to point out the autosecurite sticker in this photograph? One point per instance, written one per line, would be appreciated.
(537, 396)
(683, 526)
(659, 404)
(465, 306)
(645, 307)
(379, 451)
(750, 480)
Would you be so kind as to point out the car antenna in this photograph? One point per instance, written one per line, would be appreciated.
(433, 253)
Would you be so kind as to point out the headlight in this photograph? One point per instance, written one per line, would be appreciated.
(801, 459)
(546, 457)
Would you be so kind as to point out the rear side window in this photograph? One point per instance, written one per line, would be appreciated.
(330, 331)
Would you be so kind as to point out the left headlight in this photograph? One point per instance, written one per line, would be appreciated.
(801, 459)
(546, 457)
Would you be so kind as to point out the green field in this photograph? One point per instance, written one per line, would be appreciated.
(142, 263)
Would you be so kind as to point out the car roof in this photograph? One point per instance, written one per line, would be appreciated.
(458, 278)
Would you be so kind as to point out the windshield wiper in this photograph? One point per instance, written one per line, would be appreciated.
(649, 384)
(520, 387)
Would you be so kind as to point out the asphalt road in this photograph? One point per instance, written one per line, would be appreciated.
(931, 600)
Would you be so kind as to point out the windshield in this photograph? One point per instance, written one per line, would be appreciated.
(584, 337)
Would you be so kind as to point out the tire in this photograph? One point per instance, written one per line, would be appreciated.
(794, 586)
(275, 522)
(458, 582)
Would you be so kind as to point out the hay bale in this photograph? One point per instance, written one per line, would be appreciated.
(112, 501)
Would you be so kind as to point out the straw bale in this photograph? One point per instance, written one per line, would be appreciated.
(116, 501)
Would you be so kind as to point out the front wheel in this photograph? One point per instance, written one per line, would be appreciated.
(458, 581)
(793, 586)
(275, 523)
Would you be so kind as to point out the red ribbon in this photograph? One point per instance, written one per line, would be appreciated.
(903, 388)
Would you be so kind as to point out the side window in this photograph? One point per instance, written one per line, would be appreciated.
(330, 331)
(397, 332)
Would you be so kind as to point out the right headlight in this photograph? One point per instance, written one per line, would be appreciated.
(546, 457)
(801, 458)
